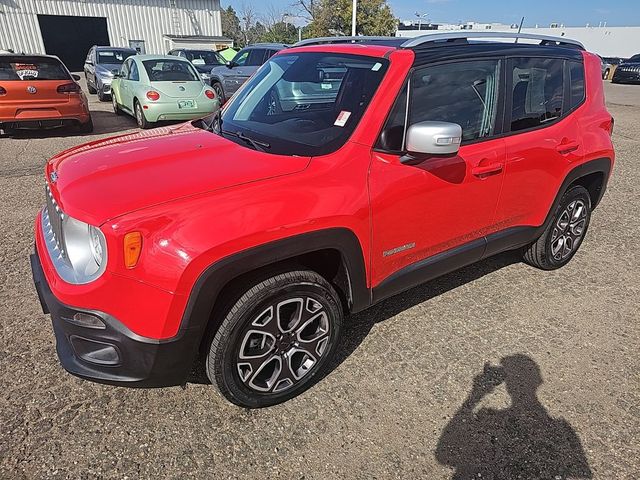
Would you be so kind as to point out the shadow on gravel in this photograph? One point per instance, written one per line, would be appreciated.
(519, 442)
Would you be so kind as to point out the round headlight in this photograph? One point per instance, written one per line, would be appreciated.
(95, 244)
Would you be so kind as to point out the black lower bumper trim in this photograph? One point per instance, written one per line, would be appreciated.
(112, 354)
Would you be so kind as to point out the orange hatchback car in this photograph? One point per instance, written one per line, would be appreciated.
(37, 91)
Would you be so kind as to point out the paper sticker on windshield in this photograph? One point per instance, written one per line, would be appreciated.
(325, 86)
(343, 116)
(376, 66)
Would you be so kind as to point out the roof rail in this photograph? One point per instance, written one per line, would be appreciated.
(358, 39)
(463, 35)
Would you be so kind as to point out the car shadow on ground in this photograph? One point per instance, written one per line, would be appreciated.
(358, 326)
(521, 441)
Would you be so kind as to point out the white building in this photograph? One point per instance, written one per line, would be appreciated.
(68, 28)
(606, 41)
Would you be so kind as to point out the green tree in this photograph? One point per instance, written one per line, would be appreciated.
(231, 26)
(280, 32)
(333, 17)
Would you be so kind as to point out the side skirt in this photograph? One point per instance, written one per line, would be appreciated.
(446, 262)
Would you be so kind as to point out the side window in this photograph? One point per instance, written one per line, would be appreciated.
(465, 93)
(576, 77)
(124, 72)
(392, 135)
(133, 72)
(256, 57)
(241, 58)
(538, 92)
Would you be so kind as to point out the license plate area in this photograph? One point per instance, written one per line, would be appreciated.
(186, 104)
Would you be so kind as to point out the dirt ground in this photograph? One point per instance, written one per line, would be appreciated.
(401, 402)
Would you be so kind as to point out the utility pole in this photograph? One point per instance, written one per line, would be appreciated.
(353, 18)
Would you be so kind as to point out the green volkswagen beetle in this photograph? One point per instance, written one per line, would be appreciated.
(157, 87)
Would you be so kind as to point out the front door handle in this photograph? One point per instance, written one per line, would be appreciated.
(486, 169)
(567, 147)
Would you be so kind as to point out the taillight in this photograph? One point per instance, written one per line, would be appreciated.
(69, 88)
(153, 95)
(2, 91)
(210, 94)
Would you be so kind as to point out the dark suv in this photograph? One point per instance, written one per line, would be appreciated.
(226, 79)
(628, 71)
(344, 172)
(202, 60)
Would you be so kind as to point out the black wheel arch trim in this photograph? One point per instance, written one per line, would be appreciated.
(214, 278)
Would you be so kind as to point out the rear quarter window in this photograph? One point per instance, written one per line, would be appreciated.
(576, 77)
(32, 68)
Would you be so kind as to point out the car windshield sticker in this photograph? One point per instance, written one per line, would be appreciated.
(26, 70)
(325, 86)
(343, 116)
(376, 66)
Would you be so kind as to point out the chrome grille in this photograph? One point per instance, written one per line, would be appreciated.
(55, 217)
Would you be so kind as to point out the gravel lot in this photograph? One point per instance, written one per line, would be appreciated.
(399, 402)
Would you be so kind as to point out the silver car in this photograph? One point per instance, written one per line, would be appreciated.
(226, 79)
(100, 65)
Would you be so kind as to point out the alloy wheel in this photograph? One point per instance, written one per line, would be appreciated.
(568, 230)
(282, 344)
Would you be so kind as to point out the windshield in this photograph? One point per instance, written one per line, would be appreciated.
(304, 103)
(32, 68)
(204, 57)
(167, 70)
(113, 57)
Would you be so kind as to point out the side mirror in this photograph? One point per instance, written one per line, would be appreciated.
(432, 138)
(89, 62)
(117, 74)
(230, 64)
(75, 77)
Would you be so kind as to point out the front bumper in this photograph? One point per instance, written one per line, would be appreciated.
(622, 76)
(112, 354)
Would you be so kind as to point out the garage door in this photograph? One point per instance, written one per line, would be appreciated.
(70, 38)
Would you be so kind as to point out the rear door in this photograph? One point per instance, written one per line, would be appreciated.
(544, 137)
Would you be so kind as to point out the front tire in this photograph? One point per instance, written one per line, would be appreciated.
(276, 340)
(114, 104)
(565, 233)
(219, 91)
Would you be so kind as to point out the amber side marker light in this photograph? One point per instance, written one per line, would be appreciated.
(132, 248)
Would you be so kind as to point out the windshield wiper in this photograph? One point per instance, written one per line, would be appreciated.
(257, 145)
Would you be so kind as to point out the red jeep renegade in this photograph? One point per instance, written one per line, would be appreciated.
(343, 172)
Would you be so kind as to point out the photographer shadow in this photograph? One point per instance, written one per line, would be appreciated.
(522, 441)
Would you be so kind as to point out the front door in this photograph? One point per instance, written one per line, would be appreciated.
(444, 202)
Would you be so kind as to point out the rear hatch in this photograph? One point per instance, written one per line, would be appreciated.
(173, 77)
(29, 86)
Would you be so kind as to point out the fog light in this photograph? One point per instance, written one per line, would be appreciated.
(93, 351)
(86, 320)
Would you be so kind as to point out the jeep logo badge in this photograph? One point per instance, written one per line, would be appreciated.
(53, 176)
(31, 89)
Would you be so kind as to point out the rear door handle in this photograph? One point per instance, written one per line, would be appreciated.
(567, 147)
(486, 169)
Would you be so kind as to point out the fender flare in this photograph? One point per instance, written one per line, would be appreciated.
(212, 280)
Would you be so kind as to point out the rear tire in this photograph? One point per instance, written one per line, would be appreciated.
(276, 340)
(86, 127)
(565, 233)
(141, 120)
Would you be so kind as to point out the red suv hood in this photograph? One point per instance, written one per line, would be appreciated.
(108, 178)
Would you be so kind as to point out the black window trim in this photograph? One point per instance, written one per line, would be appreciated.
(566, 91)
(500, 104)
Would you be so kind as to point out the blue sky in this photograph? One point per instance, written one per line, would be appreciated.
(543, 12)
